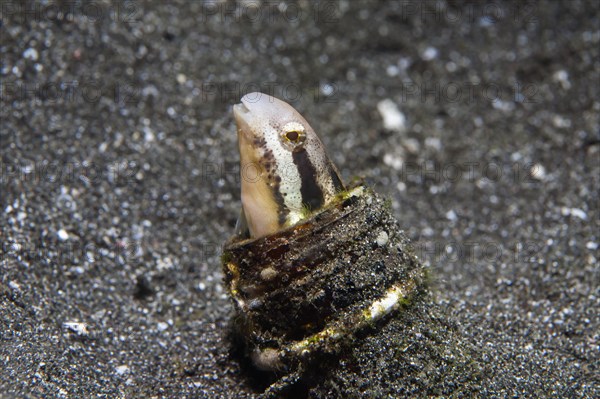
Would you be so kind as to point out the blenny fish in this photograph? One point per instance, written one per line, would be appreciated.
(314, 265)
(285, 171)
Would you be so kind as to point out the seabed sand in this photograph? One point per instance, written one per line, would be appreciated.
(120, 183)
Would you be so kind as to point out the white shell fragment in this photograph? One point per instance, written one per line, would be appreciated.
(382, 239)
(76, 327)
(393, 118)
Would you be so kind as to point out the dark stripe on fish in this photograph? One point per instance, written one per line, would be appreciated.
(269, 170)
(335, 178)
(312, 195)
(283, 210)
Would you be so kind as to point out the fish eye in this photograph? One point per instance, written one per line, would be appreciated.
(292, 136)
(293, 133)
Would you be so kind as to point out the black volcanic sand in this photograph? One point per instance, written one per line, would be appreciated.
(120, 182)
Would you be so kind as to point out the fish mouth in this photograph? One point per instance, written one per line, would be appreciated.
(243, 120)
(240, 110)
